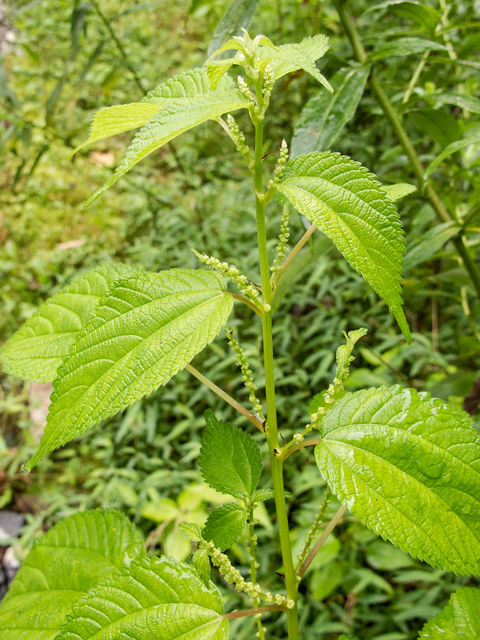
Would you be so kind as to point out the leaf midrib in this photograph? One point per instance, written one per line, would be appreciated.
(152, 608)
(129, 353)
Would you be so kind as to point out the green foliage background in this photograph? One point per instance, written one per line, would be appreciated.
(59, 66)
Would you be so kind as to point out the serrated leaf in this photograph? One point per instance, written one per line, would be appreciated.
(398, 191)
(347, 203)
(155, 599)
(225, 525)
(264, 494)
(408, 466)
(452, 148)
(292, 57)
(37, 349)
(186, 85)
(230, 459)
(201, 562)
(170, 122)
(324, 116)
(460, 620)
(146, 330)
(405, 47)
(68, 561)
(110, 121)
(191, 531)
(267, 494)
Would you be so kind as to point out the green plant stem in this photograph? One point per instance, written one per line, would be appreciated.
(394, 119)
(248, 302)
(233, 403)
(272, 430)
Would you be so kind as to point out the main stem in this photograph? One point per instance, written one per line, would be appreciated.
(272, 429)
(389, 110)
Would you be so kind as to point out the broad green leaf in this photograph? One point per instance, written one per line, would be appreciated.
(264, 494)
(225, 525)
(408, 466)
(422, 14)
(155, 599)
(110, 121)
(230, 460)
(291, 57)
(347, 203)
(191, 531)
(170, 122)
(218, 68)
(324, 116)
(431, 242)
(37, 349)
(146, 330)
(201, 562)
(397, 191)
(190, 84)
(238, 15)
(460, 620)
(452, 148)
(68, 561)
(405, 47)
(438, 124)
(469, 103)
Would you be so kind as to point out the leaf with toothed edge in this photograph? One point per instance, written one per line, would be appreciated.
(230, 459)
(408, 466)
(72, 558)
(110, 121)
(348, 204)
(170, 122)
(37, 349)
(460, 620)
(153, 599)
(292, 57)
(225, 525)
(148, 328)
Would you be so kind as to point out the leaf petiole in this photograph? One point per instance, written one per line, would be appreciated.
(233, 403)
(320, 542)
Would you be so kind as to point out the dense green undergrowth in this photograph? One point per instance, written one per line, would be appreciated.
(144, 462)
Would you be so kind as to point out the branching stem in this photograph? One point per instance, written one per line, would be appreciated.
(248, 302)
(271, 429)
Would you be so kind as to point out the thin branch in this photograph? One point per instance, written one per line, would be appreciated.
(233, 403)
(293, 253)
(302, 445)
(253, 612)
(248, 302)
(328, 530)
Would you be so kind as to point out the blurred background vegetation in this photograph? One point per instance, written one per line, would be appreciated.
(60, 60)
